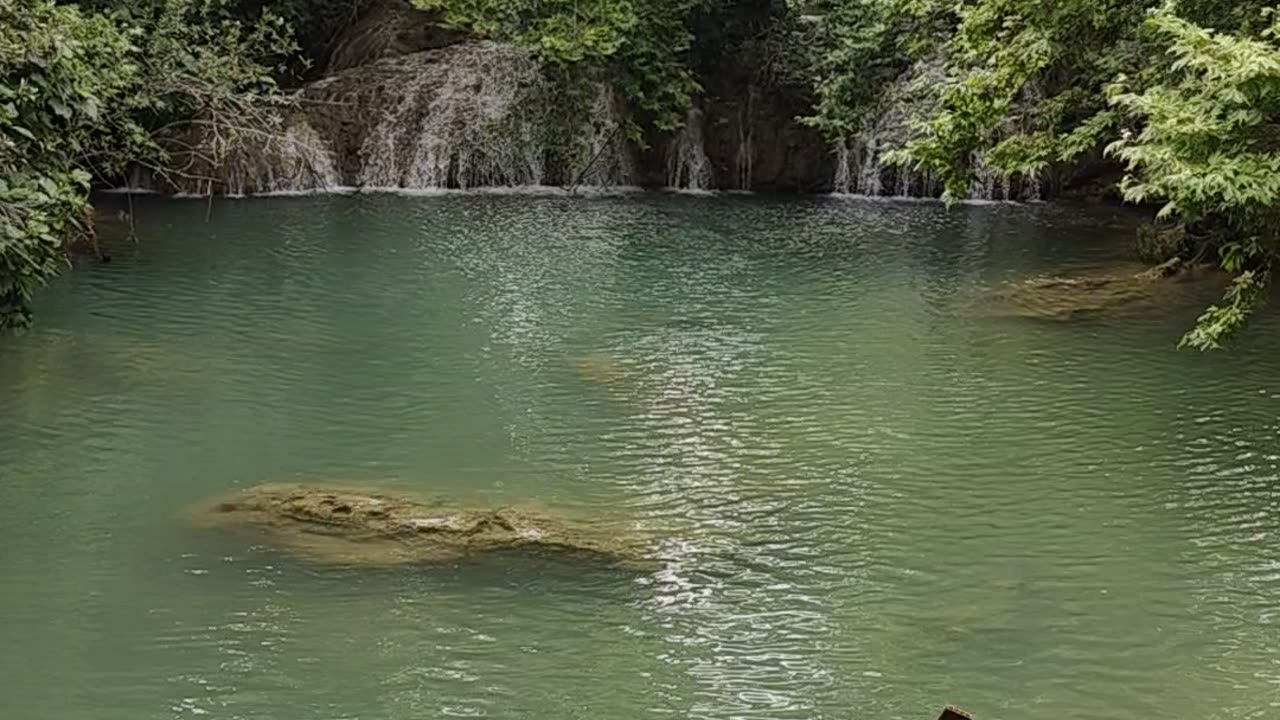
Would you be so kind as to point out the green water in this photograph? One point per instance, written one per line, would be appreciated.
(870, 496)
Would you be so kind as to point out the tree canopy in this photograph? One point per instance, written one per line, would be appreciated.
(83, 87)
(638, 45)
(1184, 93)
(1182, 97)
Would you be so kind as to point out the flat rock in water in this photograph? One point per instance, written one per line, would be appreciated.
(352, 526)
(1091, 292)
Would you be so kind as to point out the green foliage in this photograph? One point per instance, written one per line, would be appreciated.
(861, 47)
(1024, 87)
(61, 72)
(1033, 87)
(638, 43)
(1209, 142)
(1208, 147)
(82, 89)
(315, 25)
(1220, 322)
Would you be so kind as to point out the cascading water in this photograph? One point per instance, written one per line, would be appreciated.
(275, 155)
(299, 161)
(860, 165)
(479, 115)
(457, 122)
(987, 183)
(860, 160)
(601, 157)
(744, 159)
(688, 167)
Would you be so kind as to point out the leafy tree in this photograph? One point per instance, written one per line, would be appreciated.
(1208, 147)
(83, 91)
(1035, 87)
(861, 47)
(63, 73)
(639, 44)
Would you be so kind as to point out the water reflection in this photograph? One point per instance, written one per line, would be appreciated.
(867, 499)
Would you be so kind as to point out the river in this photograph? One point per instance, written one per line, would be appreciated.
(869, 495)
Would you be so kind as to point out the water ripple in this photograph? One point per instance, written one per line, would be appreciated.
(866, 495)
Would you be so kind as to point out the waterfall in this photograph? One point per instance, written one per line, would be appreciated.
(871, 174)
(299, 161)
(467, 116)
(284, 154)
(465, 120)
(861, 170)
(601, 157)
(987, 183)
(860, 165)
(480, 115)
(687, 164)
(745, 157)
(841, 185)
(860, 159)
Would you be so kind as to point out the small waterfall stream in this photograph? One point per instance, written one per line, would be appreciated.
(467, 116)
(302, 161)
(601, 157)
(860, 160)
(480, 117)
(287, 156)
(459, 124)
(744, 159)
(688, 167)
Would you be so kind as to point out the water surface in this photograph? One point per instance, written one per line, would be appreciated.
(870, 495)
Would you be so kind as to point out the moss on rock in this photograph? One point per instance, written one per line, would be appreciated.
(359, 527)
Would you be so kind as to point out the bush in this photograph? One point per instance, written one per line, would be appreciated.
(82, 92)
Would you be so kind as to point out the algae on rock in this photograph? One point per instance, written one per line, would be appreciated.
(358, 527)
(1090, 292)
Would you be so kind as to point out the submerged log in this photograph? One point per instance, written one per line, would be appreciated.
(353, 526)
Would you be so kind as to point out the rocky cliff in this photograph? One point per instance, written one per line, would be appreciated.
(407, 104)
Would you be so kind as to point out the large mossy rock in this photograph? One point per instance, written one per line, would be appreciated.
(358, 527)
(1092, 292)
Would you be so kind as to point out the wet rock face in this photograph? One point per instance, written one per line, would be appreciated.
(351, 526)
(748, 112)
(387, 29)
(753, 141)
(756, 143)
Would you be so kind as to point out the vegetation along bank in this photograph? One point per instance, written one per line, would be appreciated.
(1170, 105)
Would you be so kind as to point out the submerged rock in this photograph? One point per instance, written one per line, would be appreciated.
(1090, 292)
(608, 375)
(352, 526)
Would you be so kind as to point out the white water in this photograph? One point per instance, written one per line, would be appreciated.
(292, 159)
(745, 157)
(300, 160)
(477, 116)
(688, 167)
(987, 183)
(602, 158)
(470, 116)
(861, 168)
(457, 124)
